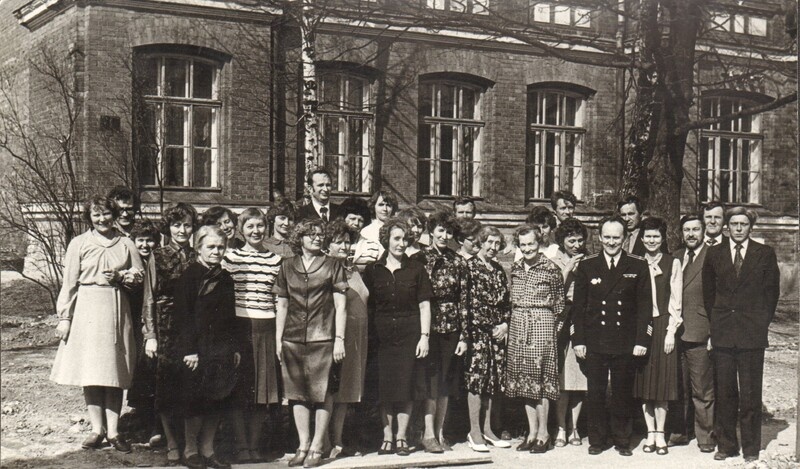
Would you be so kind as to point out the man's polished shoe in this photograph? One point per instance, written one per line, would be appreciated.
(525, 445)
(750, 458)
(120, 444)
(677, 440)
(594, 450)
(623, 451)
(722, 455)
(195, 461)
(215, 463)
(707, 448)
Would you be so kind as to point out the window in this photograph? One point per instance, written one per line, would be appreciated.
(730, 153)
(450, 131)
(178, 126)
(477, 7)
(560, 14)
(555, 143)
(347, 130)
(738, 23)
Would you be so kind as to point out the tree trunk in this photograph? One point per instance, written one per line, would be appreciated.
(311, 128)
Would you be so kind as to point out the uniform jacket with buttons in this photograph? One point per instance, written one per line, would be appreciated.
(612, 310)
(741, 307)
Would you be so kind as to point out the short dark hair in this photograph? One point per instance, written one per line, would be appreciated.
(751, 214)
(302, 228)
(213, 215)
(414, 216)
(692, 217)
(466, 227)
(145, 228)
(540, 215)
(126, 194)
(570, 227)
(566, 195)
(443, 218)
(388, 226)
(356, 206)
(631, 199)
(281, 207)
(318, 170)
(612, 219)
(711, 205)
(177, 213)
(337, 229)
(655, 223)
(99, 201)
(490, 230)
(527, 228)
(464, 200)
(387, 197)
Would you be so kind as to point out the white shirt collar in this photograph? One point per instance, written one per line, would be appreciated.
(608, 259)
(718, 238)
(744, 245)
(318, 206)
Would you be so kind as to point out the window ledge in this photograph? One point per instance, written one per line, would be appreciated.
(181, 189)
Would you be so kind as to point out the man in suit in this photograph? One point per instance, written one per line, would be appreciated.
(696, 414)
(563, 204)
(741, 286)
(630, 209)
(128, 204)
(612, 309)
(714, 219)
(320, 182)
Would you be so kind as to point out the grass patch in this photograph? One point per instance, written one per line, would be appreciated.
(24, 298)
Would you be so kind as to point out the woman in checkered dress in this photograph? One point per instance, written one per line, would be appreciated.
(537, 303)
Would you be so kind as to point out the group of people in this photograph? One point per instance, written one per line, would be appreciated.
(224, 320)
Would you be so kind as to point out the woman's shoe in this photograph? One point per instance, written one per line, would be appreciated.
(215, 463)
(402, 449)
(173, 457)
(387, 447)
(575, 441)
(497, 443)
(649, 448)
(541, 446)
(314, 459)
(120, 444)
(195, 461)
(479, 448)
(661, 450)
(299, 458)
(525, 446)
(93, 441)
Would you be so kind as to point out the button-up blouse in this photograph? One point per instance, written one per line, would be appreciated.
(397, 294)
(540, 286)
(311, 311)
(450, 281)
(675, 305)
(488, 295)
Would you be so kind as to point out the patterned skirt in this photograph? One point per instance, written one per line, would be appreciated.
(532, 364)
(485, 364)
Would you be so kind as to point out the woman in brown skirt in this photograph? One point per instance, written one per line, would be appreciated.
(310, 330)
(656, 382)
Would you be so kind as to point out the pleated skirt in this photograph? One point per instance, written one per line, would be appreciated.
(260, 378)
(657, 378)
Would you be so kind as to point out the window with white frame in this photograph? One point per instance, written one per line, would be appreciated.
(739, 23)
(730, 153)
(477, 7)
(347, 124)
(450, 131)
(556, 13)
(555, 143)
(178, 125)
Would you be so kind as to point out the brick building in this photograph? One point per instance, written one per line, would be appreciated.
(199, 98)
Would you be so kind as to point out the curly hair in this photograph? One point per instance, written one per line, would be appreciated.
(176, 213)
(146, 229)
(414, 216)
(565, 195)
(101, 202)
(215, 213)
(387, 197)
(527, 228)
(490, 230)
(304, 227)
(337, 230)
(356, 206)
(443, 218)
(386, 230)
(281, 207)
(570, 227)
(540, 215)
(466, 227)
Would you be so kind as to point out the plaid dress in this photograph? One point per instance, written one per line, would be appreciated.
(537, 303)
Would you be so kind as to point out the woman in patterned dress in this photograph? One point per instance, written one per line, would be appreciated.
(178, 224)
(254, 269)
(487, 329)
(571, 239)
(537, 299)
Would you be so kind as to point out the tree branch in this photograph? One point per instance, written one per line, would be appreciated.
(751, 111)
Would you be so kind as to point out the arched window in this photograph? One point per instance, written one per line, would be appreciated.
(450, 136)
(555, 139)
(178, 120)
(730, 151)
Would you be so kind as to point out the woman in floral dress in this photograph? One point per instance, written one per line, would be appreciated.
(487, 328)
(537, 302)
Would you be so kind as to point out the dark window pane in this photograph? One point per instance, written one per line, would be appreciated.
(355, 97)
(569, 149)
(569, 112)
(446, 157)
(203, 80)
(173, 171)
(448, 102)
(468, 104)
(446, 142)
(533, 108)
(747, 123)
(724, 185)
(202, 122)
(148, 76)
(331, 135)
(425, 133)
(356, 138)
(551, 109)
(725, 154)
(706, 106)
(550, 148)
(148, 162)
(146, 129)
(201, 168)
(745, 155)
(329, 92)
(704, 185)
(744, 188)
(424, 176)
(705, 146)
(425, 100)
(174, 125)
(175, 77)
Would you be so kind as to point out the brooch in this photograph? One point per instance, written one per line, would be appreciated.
(629, 275)
(596, 281)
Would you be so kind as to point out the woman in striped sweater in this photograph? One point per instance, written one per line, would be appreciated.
(254, 269)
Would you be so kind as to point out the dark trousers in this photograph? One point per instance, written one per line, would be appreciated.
(694, 414)
(598, 366)
(742, 401)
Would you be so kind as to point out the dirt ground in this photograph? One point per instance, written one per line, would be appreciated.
(43, 424)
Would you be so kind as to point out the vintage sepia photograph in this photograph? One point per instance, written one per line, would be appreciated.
(399, 234)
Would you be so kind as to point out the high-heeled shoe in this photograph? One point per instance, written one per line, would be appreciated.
(497, 443)
(479, 448)
(541, 446)
(661, 450)
(299, 458)
(649, 448)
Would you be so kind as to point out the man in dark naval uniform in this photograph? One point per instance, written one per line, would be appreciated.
(612, 310)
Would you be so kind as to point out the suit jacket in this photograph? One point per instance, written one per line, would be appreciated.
(612, 310)
(742, 307)
(307, 211)
(695, 326)
(638, 246)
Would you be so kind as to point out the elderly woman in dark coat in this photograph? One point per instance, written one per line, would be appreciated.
(310, 333)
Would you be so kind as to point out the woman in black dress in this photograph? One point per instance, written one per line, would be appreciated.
(208, 343)
(399, 305)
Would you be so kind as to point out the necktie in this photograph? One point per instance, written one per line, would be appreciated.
(323, 213)
(611, 264)
(738, 260)
(690, 257)
(711, 241)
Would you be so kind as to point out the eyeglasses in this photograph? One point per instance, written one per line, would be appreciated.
(126, 209)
